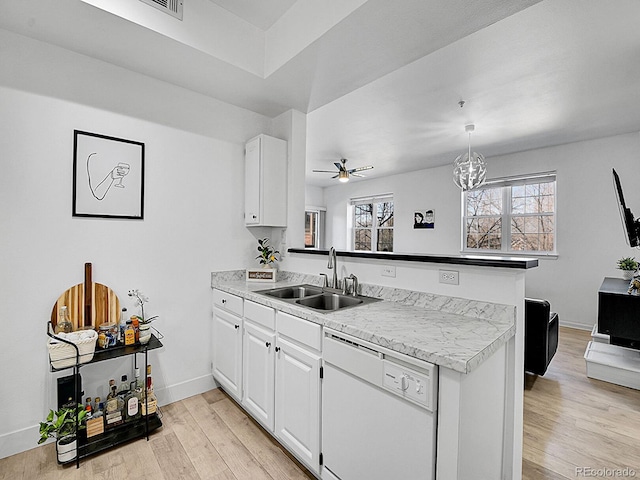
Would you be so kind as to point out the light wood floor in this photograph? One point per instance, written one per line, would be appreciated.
(573, 422)
(570, 421)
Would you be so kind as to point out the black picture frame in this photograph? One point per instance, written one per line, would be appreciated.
(108, 176)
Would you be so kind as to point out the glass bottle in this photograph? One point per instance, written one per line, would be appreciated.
(124, 386)
(64, 324)
(135, 323)
(88, 406)
(122, 325)
(150, 403)
(129, 334)
(97, 407)
(132, 405)
(114, 407)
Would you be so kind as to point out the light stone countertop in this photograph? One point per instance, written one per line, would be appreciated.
(452, 332)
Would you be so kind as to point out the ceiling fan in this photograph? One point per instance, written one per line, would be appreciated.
(343, 174)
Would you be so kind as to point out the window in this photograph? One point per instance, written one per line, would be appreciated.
(373, 223)
(512, 215)
(314, 227)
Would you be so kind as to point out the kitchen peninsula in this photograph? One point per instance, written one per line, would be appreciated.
(467, 339)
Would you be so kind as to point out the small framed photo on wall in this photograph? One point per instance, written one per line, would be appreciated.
(424, 218)
(108, 176)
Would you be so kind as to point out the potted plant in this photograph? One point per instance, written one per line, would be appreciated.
(63, 426)
(628, 265)
(267, 258)
(144, 322)
(268, 254)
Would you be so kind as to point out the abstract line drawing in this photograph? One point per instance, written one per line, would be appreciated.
(113, 178)
(108, 176)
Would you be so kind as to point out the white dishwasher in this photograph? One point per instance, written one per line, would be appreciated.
(378, 412)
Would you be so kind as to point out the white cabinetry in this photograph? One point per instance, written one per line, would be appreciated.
(227, 342)
(266, 182)
(259, 363)
(297, 394)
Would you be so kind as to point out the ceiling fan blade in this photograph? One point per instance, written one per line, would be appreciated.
(338, 165)
(324, 171)
(359, 169)
(356, 174)
(335, 176)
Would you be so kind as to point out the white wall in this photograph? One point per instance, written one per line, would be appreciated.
(193, 220)
(590, 235)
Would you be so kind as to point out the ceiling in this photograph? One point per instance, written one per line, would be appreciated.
(381, 80)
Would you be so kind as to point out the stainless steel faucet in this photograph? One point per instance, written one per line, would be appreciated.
(333, 264)
(354, 279)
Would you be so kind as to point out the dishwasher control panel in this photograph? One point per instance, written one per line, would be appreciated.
(410, 384)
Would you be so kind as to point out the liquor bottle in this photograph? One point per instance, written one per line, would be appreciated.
(135, 323)
(122, 325)
(131, 406)
(114, 407)
(129, 334)
(150, 403)
(98, 407)
(124, 386)
(64, 324)
(88, 407)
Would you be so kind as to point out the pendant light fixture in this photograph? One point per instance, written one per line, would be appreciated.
(469, 169)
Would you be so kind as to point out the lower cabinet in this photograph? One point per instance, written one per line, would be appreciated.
(227, 344)
(298, 401)
(258, 349)
(269, 361)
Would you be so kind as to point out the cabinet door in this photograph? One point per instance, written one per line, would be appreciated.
(252, 175)
(227, 351)
(258, 376)
(298, 401)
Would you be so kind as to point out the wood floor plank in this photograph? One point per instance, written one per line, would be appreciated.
(572, 421)
(172, 458)
(239, 460)
(258, 442)
(203, 455)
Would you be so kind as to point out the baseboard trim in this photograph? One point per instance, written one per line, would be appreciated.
(577, 326)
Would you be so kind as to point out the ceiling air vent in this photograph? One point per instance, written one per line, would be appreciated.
(172, 7)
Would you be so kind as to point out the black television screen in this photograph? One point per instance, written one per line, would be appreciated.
(631, 226)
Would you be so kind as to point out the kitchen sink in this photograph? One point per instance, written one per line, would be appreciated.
(316, 298)
(329, 301)
(298, 291)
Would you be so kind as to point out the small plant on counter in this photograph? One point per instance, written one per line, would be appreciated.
(268, 254)
(627, 263)
(140, 300)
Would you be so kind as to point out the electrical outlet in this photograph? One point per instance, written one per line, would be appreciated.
(388, 271)
(449, 276)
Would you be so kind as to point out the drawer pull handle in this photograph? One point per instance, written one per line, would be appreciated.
(224, 301)
(267, 344)
(237, 326)
(277, 349)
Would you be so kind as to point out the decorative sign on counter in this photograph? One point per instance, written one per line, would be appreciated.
(262, 274)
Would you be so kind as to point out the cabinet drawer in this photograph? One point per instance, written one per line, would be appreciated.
(302, 331)
(260, 314)
(227, 301)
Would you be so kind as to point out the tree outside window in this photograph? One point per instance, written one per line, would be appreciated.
(373, 224)
(516, 215)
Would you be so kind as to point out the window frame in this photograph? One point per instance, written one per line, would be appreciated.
(373, 200)
(506, 184)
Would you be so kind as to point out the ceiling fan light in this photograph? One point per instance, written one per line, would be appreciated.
(343, 176)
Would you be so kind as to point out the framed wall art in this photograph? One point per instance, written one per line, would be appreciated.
(108, 176)
(424, 220)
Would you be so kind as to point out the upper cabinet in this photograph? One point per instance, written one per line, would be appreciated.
(265, 182)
